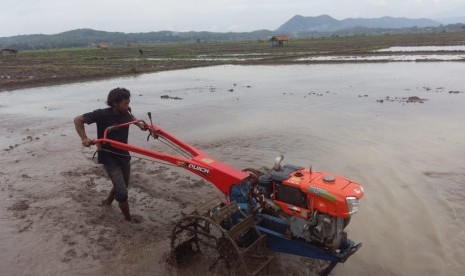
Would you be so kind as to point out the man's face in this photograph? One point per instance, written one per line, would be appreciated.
(122, 107)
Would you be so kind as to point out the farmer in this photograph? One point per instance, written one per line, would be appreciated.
(115, 161)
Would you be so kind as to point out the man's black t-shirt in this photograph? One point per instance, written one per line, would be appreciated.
(105, 118)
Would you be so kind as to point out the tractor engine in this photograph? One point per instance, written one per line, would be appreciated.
(317, 206)
(320, 228)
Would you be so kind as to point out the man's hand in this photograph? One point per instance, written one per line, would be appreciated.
(86, 142)
(142, 125)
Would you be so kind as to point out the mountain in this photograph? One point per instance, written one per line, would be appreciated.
(325, 23)
(88, 37)
(452, 20)
(298, 23)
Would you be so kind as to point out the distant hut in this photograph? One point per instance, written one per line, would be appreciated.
(278, 40)
(8, 53)
(102, 46)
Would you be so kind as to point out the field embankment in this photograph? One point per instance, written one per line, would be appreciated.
(49, 67)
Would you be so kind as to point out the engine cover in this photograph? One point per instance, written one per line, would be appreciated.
(300, 191)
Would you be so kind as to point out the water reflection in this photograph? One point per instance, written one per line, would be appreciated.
(423, 48)
(386, 58)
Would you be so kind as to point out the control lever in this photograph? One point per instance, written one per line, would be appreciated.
(150, 117)
(151, 124)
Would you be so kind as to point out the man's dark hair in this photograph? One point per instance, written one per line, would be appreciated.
(117, 95)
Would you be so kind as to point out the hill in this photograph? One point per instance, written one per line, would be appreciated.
(89, 37)
(298, 26)
(325, 23)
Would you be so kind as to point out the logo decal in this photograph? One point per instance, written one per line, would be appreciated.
(181, 163)
(322, 193)
(207, 160)
(198, 168)
(193, 167)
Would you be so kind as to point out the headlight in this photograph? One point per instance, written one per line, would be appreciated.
(352, 205)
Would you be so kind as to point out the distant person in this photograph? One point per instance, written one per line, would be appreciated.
(141, 52)
(116, 162)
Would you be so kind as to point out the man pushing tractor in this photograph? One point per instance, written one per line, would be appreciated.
(116, 162)
(288, 208)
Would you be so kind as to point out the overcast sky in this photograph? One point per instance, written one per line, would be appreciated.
(18, 17)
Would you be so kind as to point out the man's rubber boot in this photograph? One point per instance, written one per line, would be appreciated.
(110, 198)
(124, 206)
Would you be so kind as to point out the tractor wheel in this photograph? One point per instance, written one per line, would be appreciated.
(202, 244)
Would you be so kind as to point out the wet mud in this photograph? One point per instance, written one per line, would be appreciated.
(407, 157)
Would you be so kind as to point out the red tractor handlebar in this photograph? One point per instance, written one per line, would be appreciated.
(219, 174)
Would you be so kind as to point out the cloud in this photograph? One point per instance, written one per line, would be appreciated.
(233, 28)
(53, 16)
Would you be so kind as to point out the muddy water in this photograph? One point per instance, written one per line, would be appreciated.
(351, 119)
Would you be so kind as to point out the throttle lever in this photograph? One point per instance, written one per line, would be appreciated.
(151, 124)
(150, 117)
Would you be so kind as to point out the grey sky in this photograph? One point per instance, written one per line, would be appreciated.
(19, 17)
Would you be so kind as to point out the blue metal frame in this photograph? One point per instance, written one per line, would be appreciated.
(280, 242)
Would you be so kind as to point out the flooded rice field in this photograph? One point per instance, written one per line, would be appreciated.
(397, 128)
(449, 48)
(392, 54)
(386, 58)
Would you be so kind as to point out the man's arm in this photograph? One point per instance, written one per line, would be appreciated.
(81, 131)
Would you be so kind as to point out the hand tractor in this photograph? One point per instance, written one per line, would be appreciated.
(287, 209)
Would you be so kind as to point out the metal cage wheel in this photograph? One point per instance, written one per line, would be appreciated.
(202, 244)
